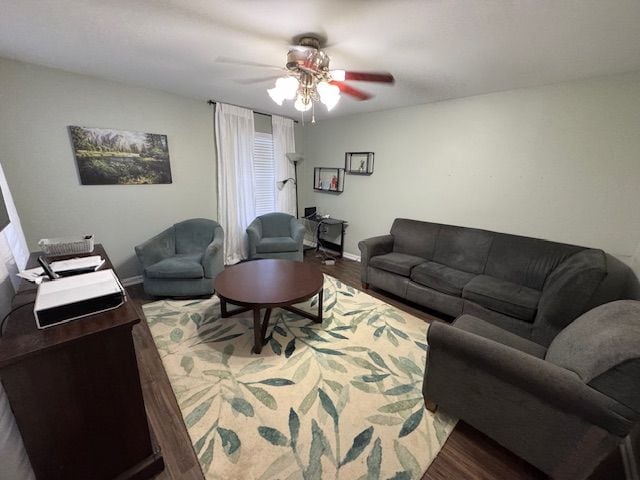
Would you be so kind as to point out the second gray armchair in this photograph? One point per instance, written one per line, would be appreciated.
(276, 235)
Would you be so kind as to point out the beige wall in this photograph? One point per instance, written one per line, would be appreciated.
(36, 106)
(559, 162)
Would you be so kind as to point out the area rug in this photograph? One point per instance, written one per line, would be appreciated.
(341, 400)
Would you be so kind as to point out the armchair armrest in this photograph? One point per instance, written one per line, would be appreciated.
(371, 247)
(297, 231)
(213, 258)
(254, 231)
(534, 380)
(157, 248)
(567, 293)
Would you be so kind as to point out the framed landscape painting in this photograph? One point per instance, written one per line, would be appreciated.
(119, 157)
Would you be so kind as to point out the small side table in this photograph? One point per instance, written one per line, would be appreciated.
(321, 242)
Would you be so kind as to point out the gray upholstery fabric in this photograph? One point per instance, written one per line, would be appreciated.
(463, 248)
(525, 261)
(567, 293)
(388, 281)
(414, 237)
(177, 266)
(474, 325)
(502, 296)
(183, 260)
(370, 248)
(193, 235)
(599, 340)
(428, 297)
(441, 278)
(276, 235)
(276, 244)
(498, 319)
(399, 263)
(542, 412)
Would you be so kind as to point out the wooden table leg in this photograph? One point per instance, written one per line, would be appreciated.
(257, 331)
(265, 323)
(320, 296)
(223, 308)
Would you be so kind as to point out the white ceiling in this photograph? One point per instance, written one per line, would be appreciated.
(436, 49)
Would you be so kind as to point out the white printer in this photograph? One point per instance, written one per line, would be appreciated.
(64, 299)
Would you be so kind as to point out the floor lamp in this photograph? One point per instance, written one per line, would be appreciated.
(295, 158)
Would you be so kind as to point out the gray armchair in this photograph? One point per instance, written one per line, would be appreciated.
(276, 235)
(563, 409)
(183, 260)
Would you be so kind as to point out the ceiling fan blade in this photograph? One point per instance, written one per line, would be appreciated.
(235, 61)
(354, 92)
(379, 77)
(251, 81)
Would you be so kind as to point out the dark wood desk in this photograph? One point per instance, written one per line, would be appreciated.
(321, 242)
(75, 392)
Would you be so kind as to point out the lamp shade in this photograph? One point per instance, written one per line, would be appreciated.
(295, 157)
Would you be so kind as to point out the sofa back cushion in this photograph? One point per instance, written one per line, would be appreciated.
(525, 261)
(463, 248)
(414, 237)
(603, 347)
(194, 235)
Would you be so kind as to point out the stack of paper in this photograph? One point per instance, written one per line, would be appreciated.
(72, 266)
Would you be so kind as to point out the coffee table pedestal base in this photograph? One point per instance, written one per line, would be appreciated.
(260, 326)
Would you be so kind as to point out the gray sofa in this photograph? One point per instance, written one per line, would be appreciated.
(562, 408)
(530, 287)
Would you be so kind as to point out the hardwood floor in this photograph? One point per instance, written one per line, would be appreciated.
(467, 454)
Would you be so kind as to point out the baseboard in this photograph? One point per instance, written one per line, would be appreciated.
(127, 282)
(351, 256)
(629, 460)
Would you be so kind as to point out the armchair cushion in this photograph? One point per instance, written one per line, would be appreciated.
(487, 330)
(441, 278)
(394, 262)
(194, 235)
(276, 244)
(503, 296)
(177, 266)
(276, 225)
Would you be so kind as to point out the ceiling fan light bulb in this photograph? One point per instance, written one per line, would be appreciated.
(301, 105)
(338, 75)
(331, 102)
(276, 95)
(288, 87)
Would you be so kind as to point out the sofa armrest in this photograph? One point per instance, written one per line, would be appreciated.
(213, 258)
(371, 247)
(567, 293)
(157, 248)
(534, 380)
(254, 231)
(297, 231)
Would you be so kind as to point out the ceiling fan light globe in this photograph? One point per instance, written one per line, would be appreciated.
(338, 75)
(301, 105)
(276, 95)
(288, 87)
(331, 102)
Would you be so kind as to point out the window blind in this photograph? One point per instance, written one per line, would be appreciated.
(264, 173)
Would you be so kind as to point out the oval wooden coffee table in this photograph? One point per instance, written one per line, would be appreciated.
(268, 284)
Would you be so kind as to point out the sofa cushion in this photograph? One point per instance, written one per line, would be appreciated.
(178, 266)
(414, 237)
(463, 248)
(395, 262)
(276, 244)
(441, 278)
(525, 261)
(475, 325)
(502, 296)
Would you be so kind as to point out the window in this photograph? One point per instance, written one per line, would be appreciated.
(264, 172)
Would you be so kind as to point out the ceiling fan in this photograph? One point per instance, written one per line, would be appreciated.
(308, 79)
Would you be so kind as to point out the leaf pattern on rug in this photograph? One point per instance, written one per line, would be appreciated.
(337, 400)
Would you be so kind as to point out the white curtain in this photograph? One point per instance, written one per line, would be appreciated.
(13, 257)
(283, 143)
(236, 206)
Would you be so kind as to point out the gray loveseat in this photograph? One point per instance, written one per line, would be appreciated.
(530, 287)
